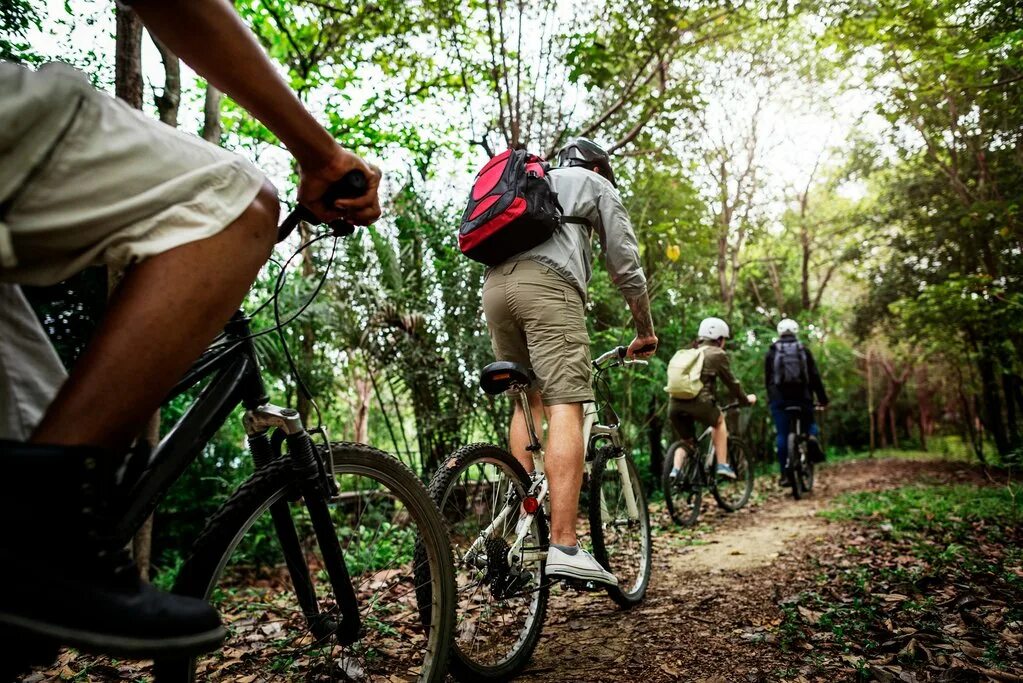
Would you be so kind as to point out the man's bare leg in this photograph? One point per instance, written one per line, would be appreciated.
(719, 433)
(519, 434)
(679, 457)
(163, 315)
(564, 463)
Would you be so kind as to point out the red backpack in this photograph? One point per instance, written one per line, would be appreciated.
(511, 209)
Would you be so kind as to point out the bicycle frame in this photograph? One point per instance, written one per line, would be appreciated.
(236, 380)
(594, 433)
(705, 468)
(796, 428)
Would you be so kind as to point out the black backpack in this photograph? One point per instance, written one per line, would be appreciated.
(790, 364)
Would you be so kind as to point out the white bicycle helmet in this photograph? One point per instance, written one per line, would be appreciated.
(713, 328)
(787, 326)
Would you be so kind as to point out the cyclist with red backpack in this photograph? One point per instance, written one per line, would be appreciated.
(533, 225)
(792, 379)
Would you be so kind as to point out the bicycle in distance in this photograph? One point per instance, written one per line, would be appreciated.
(800, 463)
(331, 554)
(498, 518)
(683, 494)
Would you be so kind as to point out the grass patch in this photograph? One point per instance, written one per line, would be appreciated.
(930, 578)
(949, 510)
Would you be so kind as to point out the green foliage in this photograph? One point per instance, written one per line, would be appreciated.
(17, 18)
(952, 512)
(926, 261)
(923, 557)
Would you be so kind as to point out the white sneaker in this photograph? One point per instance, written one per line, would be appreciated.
(581, 566)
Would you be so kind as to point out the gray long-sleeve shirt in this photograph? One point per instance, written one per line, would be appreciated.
(585, 194)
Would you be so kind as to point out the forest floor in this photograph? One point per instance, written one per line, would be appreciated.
(894, 569)
(788, 590)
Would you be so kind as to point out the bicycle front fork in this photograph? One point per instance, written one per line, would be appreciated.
(316, 487)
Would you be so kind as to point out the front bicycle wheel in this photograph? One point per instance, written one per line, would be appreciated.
(620, 524)
(733, 494)
(683, 495)
(502, 595)
(382, 514)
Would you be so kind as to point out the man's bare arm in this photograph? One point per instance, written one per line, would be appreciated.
(212, 39)
(645, 343)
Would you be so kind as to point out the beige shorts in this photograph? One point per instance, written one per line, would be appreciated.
(30, 371)
(97, 182)
(537, 318)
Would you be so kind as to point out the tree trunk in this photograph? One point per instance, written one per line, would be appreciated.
(363, 391)
(804, 276)
(1009, 390)
(128, 58)
(870, 399)
(142, 544)
(655, 426)
(886, 411)
(128, 87)
(211, 126)
(306, 357)
(169, 101)
(923, 403)
(992, 402)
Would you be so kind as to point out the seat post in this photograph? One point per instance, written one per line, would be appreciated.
(534, 441)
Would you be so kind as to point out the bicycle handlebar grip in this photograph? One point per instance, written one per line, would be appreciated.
(352, 184)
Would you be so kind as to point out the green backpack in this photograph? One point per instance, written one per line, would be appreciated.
(684, 371)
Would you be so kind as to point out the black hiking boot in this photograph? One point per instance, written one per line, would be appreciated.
(67, 579)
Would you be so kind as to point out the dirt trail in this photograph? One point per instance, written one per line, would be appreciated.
(711, 607)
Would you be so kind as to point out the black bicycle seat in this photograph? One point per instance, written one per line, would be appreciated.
(503, 375)
(794, 409)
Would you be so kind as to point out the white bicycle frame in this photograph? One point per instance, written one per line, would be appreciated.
(593, 433)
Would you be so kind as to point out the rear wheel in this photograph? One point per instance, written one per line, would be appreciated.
(797, 458)
(683, 495)
(731, 494)
(405, 597)
(501, 602)
(620, 530)
(809, 472)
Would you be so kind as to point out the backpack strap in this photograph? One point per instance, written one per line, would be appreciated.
(776, 375)
(577, 220)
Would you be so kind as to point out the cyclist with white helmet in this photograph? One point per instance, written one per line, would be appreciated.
(711, 339)
(792, 379)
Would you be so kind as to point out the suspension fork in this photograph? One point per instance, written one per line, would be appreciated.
(315, 493)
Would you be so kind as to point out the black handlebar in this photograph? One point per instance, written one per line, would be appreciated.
(352, 184)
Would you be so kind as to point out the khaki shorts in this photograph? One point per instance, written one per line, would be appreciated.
(537, 318)
(682, 414)
(106, 184)
(30, 371)
(84, 180)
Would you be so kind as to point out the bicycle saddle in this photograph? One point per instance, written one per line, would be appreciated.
(503, 375)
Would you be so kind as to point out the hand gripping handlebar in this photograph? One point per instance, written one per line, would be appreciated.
(352, 184)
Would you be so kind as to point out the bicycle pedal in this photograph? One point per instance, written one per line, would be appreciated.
(583, 586)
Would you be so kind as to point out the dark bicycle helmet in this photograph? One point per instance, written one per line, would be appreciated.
(584, 152)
